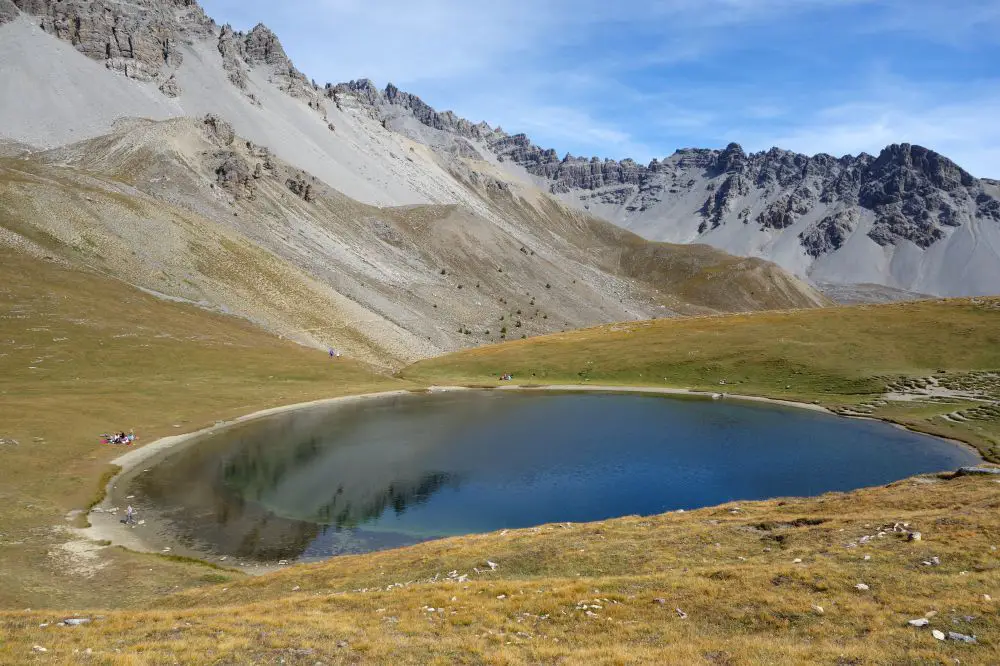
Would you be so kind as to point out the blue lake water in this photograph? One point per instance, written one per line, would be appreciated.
(388, 472)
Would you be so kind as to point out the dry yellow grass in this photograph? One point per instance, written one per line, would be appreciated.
(589, 593)
(608, 592)
(82, 355)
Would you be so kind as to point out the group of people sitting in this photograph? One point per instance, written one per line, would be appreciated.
(506, 377)
(119, 438)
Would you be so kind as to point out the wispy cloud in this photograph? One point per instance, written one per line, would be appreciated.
(643, 77)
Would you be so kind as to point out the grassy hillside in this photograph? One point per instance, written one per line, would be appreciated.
(765, 582)
(81, 355)
(844, 358)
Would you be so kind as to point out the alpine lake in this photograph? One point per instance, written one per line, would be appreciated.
(385, 472)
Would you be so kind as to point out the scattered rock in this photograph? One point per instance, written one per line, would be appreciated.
(861, 587)
(818, 610)
(987, 597)
(914, 536)
(659, 600)
(797, 560)
(937, 634)
(170, 87)
(76, 621)
(978, 471)
(220, 131)
(681, 614)
(342, 644)
(38, 648)
(492, 565)
(962, 638)
(919, 622)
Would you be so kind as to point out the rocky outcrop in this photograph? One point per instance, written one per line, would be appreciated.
(723, 199)
(915, 192)
(8, 11)
(218, 130)
(261, 48)
(233, 174)
(830, 233)
(170, 87)
(300, 187)
(138, 39)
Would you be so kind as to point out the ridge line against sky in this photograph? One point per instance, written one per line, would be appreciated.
(642, 78)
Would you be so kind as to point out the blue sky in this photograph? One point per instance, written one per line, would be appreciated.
(640, 79)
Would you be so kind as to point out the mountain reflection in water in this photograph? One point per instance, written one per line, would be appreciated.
(375, 474)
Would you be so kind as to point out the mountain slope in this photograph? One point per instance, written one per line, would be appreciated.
(187, 209)
(908, 219)
(301, 208)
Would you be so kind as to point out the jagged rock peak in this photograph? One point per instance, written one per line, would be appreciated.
(939, 169)
(732, 159)
(263, 46)
(138, 38)
(8, 11)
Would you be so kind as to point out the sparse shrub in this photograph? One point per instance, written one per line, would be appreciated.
(548, 286)
(499, 270)
(523, 336)
(503, 331)
(444, 271)
(544, 316)
(459, 286)
(517, 324)
(518, 312)
(487, 332)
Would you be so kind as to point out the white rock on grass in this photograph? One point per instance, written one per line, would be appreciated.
(861, 587)
(919, 622)
(937, 634)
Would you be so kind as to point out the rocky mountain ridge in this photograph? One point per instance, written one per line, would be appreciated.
(908, 218)
(907, 193)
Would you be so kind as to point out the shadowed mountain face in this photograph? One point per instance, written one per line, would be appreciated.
(312, 211)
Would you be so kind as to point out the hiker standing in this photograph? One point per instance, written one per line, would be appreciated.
(129, 515)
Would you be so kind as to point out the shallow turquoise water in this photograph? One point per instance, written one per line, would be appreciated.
(390, 472)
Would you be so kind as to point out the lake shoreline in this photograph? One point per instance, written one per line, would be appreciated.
(104, 518)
